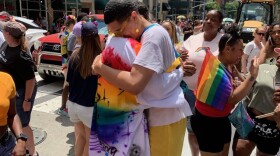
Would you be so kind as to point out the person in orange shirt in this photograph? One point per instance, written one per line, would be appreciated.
(9, 118)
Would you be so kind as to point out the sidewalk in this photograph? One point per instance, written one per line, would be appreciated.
(59, 140)
(60, 134)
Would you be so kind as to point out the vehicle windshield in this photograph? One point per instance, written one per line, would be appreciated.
(255, 11)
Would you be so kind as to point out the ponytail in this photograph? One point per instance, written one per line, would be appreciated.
(23, 45)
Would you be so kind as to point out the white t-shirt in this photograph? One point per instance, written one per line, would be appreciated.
(192, 44)
(252, 50)
(163, 91)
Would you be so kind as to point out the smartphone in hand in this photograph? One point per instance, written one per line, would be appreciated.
(277, 85)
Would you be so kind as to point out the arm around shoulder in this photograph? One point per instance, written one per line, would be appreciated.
(134, 81)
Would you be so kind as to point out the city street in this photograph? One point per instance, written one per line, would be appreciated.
(54, 134)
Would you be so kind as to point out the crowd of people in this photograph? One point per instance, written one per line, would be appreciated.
(137, 91)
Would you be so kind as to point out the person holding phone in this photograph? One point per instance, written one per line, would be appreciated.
(267, 54)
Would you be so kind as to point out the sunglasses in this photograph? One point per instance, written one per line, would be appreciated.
(119, 33)
(261, 34)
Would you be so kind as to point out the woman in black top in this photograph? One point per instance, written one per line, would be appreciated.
(15, 60)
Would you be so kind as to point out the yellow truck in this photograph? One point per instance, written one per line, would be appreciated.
(252, 14)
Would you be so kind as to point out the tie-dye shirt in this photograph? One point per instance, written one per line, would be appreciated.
(119, 127)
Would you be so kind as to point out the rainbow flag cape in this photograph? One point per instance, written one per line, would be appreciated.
(214, 81)
(119, 126)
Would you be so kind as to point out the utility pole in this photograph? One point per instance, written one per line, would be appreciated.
(156, 9)
(151, 4)
(203, 12)
(160, 10)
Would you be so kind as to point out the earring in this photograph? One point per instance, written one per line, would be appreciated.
(137, 30)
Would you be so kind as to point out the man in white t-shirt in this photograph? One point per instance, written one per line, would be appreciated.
(151, 79)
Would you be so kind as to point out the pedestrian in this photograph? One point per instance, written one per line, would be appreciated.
(150, 73)
(210, 121)
(72, 39)
(253, 48)
(15, 60)
(198, 27)
(209, 38)
(265, 134)
(171, 29)
(4, 16)
(267, 53)
(10, 119)
(117, 113)
(69, 24)
(82, 86)
(112, 105)
(188, 30)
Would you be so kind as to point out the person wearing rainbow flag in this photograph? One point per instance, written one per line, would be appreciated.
(154, 77)
(216, 96)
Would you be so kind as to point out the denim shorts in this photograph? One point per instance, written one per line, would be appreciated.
(7, 147)
(24, 116)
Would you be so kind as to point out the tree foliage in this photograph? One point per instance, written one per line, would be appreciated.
(231, 9)
(211, 6)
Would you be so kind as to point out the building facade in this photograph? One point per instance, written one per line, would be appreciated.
(54, 10)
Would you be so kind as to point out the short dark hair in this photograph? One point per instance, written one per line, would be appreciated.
(118, 10)
(230, 37)
(143, 10)
(220, 14)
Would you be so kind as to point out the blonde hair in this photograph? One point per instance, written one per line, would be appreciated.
(257, 29)
(174, 37)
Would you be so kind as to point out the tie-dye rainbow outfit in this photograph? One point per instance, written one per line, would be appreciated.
(119, 127)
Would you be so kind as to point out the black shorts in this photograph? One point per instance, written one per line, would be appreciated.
(212, 133)
(265, 135)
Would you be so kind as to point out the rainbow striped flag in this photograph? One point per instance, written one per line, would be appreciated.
(214, 82)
